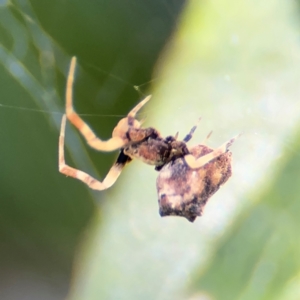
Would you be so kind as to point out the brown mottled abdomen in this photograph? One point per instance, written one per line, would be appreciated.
(183, 191)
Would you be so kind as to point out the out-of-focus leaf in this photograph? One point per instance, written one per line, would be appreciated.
(43, 213)
(233, 63)
(259, 258)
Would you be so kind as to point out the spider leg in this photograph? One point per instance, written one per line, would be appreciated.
(199, 162)
(206, 139)
(134, 111)
(93, 183)
(113, 143)
(190, 134)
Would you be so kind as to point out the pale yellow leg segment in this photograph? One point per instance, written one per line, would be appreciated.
(109, 145)
(93, 183)
(196, 163)
(134, 111)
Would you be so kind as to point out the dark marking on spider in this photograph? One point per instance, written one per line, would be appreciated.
(188, 176)
(122, 159)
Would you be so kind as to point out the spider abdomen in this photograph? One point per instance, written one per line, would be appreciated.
(184, 191)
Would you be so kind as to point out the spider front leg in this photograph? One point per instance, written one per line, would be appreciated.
(190, 134)
(199, 162)
(93, 183)
(118, 139)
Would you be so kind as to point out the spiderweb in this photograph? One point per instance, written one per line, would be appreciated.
(40, 216)
(40, 87)
(231, 63)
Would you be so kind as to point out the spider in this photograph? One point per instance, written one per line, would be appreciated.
(188, 176)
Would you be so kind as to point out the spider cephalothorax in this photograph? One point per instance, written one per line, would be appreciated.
(187, 178)
(155, 150)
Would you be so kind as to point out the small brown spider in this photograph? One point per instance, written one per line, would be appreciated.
(188, 176)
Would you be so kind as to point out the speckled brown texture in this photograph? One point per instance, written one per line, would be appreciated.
(183, 191)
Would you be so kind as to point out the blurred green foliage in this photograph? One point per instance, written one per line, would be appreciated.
(259, 258)
(232, 62)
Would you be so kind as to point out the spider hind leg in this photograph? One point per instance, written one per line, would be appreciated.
(199, 162)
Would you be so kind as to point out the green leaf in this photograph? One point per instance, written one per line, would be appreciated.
(234, 64)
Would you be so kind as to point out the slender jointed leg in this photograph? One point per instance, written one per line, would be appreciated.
(190, 134)
(93, 183)
(206, 139)
(196, 163)
(134, 111)
(117, 141)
